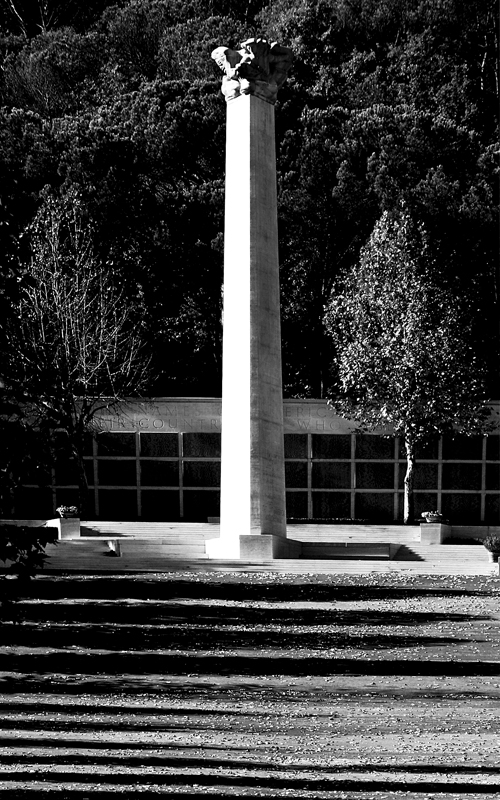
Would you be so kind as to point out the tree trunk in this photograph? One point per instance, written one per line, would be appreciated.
(83, 491)
(409, 511)
(83, 484)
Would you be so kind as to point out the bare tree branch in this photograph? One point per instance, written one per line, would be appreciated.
(73, 339)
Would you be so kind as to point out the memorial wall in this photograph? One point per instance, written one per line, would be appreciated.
(160, 460)
(204, 415)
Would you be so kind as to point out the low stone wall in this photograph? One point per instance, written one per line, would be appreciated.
(438, 532)
(475, 531)
(28, 523)
(66, 528)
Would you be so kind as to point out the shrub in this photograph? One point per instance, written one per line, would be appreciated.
(492, 542)
(24, 547)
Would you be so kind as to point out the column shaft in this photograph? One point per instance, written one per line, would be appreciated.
(252, 474)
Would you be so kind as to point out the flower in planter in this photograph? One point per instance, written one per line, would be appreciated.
(67, 511)
(432, 516)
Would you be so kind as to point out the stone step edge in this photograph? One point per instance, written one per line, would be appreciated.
(391, 566)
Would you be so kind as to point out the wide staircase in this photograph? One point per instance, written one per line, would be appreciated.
(115, 547)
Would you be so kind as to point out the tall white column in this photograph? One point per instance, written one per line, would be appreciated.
(253, 516)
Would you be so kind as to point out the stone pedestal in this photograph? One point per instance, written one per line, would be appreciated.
(67, 528)
(434, 532)
(252, 470)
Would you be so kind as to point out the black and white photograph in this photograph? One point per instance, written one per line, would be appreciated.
(249, 399)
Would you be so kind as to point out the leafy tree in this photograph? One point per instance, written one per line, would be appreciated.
(403, 351)
(72, 344)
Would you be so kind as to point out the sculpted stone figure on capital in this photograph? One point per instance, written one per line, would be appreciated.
(258, 68)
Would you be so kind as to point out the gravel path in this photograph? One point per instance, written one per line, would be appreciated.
(252, 686)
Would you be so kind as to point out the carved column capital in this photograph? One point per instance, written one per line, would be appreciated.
(258, 68)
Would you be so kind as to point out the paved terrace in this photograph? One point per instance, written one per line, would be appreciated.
(251, 685)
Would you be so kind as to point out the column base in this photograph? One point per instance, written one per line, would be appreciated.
(223, 548)
(253, 547)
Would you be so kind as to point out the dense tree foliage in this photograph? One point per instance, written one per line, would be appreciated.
(404, 354)
(388, 100)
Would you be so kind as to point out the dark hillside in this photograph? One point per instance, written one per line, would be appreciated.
(387, 101)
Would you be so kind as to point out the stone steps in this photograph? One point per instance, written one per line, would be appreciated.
(95, 556)
(114, 547)
(446, 553)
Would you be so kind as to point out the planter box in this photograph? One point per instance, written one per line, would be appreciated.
(434, 532)
(67, 527)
